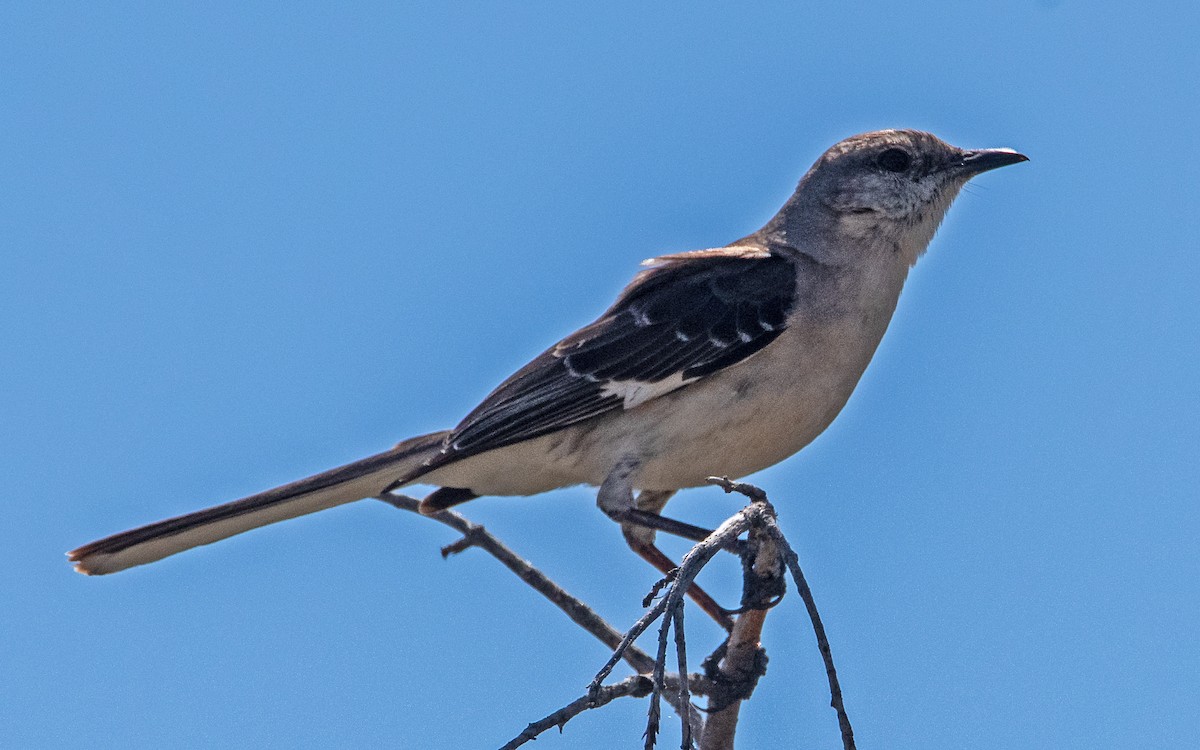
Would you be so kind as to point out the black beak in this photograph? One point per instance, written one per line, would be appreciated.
(984, 159)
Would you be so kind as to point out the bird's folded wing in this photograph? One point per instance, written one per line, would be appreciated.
(686, 317)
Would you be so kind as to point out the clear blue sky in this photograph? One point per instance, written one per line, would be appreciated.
(245, 243)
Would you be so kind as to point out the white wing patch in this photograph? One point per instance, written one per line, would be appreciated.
(635, 392)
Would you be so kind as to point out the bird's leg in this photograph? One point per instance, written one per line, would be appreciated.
(640, 539)
(615, 499)
(652, 521)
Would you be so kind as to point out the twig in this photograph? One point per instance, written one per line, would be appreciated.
(756, 494)
(475, 535)
(835, 689)
(689, 568)
(653, 714)
(685, 694)
(626, 644)
(737, 666)
(637, 685)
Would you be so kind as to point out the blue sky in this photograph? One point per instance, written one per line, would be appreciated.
(248, 242)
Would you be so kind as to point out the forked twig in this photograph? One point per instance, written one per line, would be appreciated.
(475, 535)
(732, 670)
(638, 686)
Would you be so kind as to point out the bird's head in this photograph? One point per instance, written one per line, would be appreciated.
(894, 186)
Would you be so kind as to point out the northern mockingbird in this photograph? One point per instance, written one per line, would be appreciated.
(714, 362)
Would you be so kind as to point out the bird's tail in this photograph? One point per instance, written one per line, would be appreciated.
(354, 481)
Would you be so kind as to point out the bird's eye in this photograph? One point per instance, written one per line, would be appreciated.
(894, 160)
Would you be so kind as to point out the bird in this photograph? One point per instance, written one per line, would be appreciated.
(713, 362)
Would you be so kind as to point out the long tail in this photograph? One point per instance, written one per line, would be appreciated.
(345, 484)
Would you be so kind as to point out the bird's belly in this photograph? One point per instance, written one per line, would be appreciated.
(742, 425)
(735, 423)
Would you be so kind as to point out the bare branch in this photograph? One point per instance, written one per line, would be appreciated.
(835, 689)
(738, 672)
(637, 685)
(475, 535)
(696, 558)
(737, 666)
(626, 644)
(731, 672)
(756, 494)
(660, 664)
(685, 694)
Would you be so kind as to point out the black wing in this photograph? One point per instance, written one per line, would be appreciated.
(687, 316)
